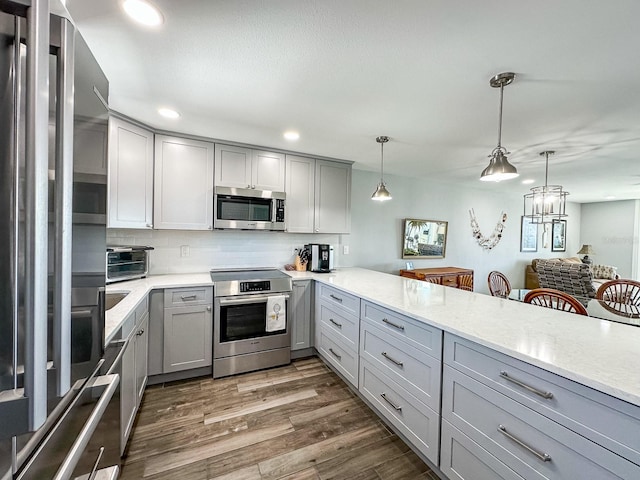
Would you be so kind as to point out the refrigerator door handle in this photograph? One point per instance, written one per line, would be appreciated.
(36, 211)
(63, 209)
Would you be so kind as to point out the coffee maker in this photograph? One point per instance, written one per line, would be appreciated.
(321, 257)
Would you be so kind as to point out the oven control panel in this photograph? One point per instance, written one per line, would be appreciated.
(260, 286)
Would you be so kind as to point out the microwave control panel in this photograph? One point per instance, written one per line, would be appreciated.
(261, 286)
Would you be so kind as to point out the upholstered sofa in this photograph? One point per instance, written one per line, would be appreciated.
(601, 273)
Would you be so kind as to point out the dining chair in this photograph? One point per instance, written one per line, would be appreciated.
(499, 285)
(550, 298)
(465, 282)
(623, 291)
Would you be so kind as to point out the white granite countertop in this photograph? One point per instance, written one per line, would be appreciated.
(597, 353)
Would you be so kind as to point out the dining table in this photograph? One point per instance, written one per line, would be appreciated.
(603, 309)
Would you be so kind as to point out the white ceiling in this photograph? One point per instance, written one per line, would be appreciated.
(342, 72)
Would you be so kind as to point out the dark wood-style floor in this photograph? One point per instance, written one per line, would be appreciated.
(298, 422)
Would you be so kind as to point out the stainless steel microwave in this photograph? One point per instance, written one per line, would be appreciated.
(248, 209)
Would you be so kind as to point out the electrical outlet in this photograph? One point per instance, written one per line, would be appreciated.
(184, 250)
(345, 249)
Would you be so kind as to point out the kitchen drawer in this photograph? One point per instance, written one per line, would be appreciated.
(610, 422)
(415, 333)
(417, 422)
(344, 301)
(175, 297)
(336, 353)
(413, 369)
(520, 437)
(463, 459)
(345, 325)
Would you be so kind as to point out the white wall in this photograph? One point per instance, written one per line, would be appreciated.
(376, 238)
(375, 241)
(610, 228)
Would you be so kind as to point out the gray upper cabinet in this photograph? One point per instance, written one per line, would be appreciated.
(300, 198)
(183, 184)
(318, 196)
(332, 197)
(241, 167)
(130, 176)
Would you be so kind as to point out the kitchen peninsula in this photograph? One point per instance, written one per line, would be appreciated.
(574, 378)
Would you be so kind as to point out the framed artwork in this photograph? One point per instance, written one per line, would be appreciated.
(559, 236)
(424, 238)
(528, 235)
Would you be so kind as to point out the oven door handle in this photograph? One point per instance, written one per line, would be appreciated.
(247, 299)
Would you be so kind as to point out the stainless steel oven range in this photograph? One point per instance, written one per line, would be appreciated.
(243, 338)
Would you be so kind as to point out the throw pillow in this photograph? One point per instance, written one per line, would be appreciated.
(604, 271)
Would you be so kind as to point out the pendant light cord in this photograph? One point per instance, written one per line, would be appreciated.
(381, 162)
(500, 117)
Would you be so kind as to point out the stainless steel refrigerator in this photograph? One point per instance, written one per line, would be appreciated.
(53, 176)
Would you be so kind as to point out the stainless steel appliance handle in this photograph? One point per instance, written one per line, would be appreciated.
(547, 395)
(545, 457)
(77, 449)
(36, 211)
(63, 209)
(247, 299)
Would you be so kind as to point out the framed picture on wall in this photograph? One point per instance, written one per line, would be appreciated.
(528, 235)
(559, 236)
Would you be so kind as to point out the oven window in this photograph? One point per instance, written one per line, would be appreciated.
(244, 209)
(241, 322)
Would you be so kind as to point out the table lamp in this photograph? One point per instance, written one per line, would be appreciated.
(586, 250)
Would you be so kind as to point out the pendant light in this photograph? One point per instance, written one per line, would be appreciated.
(381, 194)
(499, 167)
(545, 204)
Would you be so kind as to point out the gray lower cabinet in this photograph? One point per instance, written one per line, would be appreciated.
(188, 332)
(134, 369)
(535, 423)
(300, 315)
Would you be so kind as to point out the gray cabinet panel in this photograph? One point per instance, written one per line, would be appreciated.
(156, 332)
(187, 338)
(342, 357)
(413, 418)
(267, 170)
(233, 166)
(299, 187)
(607, 421)
(142, 351)
(300, 315)
(514, 433)
(183, 184)
(463, 459)
(344, 325)
(332, 197)
(413, 369)
(340, 300)
(128, 393)
(130, 175)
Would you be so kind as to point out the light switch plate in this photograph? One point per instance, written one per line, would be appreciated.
(184, 250)
(345, 249)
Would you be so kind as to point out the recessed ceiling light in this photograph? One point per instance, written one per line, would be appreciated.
(291, 135)
(610, 197)
(143, 12)
(168, 113)
(528, 181)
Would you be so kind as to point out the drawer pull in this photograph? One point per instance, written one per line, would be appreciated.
(339, 357)
(506, 376)
(394, 325)
(339, 325)
(545, 457)
(397, 407)
(188, 297)
(140, 332)
(337, 299)
(393, 360)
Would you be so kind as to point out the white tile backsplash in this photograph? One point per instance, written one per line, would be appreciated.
(218, 249)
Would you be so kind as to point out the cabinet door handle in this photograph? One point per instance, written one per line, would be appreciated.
(394, 325)
(339, 325)
(149, 225)
(208, 309)
(140, 332)
(392, 360)
(545, 457)
(339, 357)
(398, 408)
(506, 376)
(337, 299)
(248, 186)
(253, 186)
(188, 297)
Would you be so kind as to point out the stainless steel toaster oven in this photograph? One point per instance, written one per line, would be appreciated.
(127, 262)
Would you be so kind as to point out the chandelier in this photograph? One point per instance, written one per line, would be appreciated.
(499, 167)
(545, 204)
